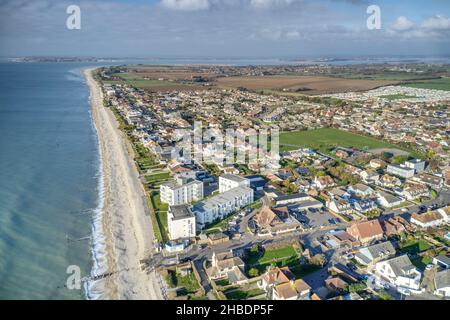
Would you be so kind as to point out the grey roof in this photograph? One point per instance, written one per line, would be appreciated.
(181, 212)
(443, 259)
(401, 265)
(221, 198)
(442, 279)
(233, 177)
(376, 251)
(291, 196)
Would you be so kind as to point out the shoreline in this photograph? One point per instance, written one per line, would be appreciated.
(121, 228)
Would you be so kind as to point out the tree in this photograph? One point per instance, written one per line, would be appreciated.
(318, 260)
(253, 272)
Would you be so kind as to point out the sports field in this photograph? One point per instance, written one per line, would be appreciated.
(326, 139)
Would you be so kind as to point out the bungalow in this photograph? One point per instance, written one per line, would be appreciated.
(442, 283)
(291, 198)
(400, 272)
(394, 225)
(274, 221)
(343, 239)
(336, 284)
(428, 219)
(388, 200)
(377, 163)
(373, 254)
(366, 231)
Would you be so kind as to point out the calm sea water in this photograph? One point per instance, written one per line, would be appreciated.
(48, 179)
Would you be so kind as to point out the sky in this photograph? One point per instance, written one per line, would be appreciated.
(224, 28)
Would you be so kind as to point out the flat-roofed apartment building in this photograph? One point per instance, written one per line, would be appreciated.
(181, 222)
(181, 191)
(221, 205)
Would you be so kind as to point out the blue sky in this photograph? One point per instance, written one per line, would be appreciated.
(224, 28)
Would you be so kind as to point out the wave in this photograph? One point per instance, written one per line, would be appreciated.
(94, 289)
(75, 75)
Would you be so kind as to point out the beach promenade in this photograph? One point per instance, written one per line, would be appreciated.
(126, 224)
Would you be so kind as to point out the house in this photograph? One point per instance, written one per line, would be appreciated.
(342, 239)
(372, 254)
(429, 180)
(274, 221)
(394, 225)
(230, 181)
(388, 200)
(442, 283)
(366, 231)
(257, 183)
(181, 222)
(428, 219)
(401, 171)
(336, 284)
(275, 276)
(181, 191)
(364, 205)
(388, 181)
(339, 205)
(400, 272)
(442, 261)
(323, 182)
(217, 238)
(361, 190)
(377, 163)
(369, 176)
(226, 265)
(413, 191)
(292, 290)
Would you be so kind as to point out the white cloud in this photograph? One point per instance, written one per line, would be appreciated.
(402, 24)
(263, 4)
(436, 23)
(186, 5)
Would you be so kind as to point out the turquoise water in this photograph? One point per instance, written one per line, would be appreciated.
(48, 179)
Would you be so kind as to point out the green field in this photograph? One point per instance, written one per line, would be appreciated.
(325, 139)
(415, 246)
(437, 84)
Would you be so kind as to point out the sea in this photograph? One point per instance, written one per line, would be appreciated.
(50, 182)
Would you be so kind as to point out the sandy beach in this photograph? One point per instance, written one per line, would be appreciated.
(127, 230)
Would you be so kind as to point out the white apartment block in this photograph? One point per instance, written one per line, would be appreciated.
(401, 171)
(416, 164)
(230, 181)
(221, 205)
(181, 191)
(181, 222)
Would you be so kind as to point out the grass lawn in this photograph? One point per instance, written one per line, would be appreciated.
(238, 294)
(325, 139)
(189, 283)
(421, 262)
(436, 84)
(415, 246)
(275, 255)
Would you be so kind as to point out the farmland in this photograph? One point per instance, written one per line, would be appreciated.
(326, 139)
(303, 84)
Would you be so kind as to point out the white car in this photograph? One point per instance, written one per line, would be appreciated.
(429, 267)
